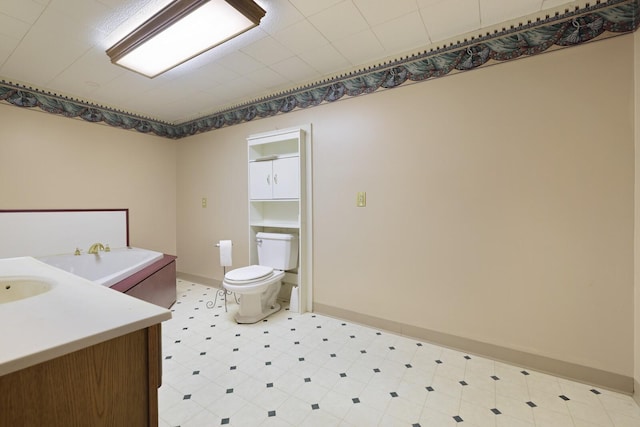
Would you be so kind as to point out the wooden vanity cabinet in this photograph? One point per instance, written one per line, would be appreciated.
(113, 383)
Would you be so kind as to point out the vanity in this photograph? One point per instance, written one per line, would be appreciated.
(75, 353)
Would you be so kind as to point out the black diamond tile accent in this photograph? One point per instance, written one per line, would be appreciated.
(195, 372)
(563, 397)
(235, 349)
(225, 421)
(269, 385)
(267, 363)
(237, 335)
(415, 425)
(355, 400)
(178, 341)
(493, 377)
(186, 397)
(376, 370)
(438, 361)
(300, 359)
(307, 380)
(325, 339)
(233, 368)
(184, 329)
(208, 338)
(229, 390)
(378, 333)
(392, 348)
(168, 357)
(430, 388)
(594, 391)
(343, 324)
(203, 353)
(363, 351)
(191, 317)
(318, 327)
(272, 413)
(524, 373)
(267, 346)
(352, 336)
(332, 355)
(463, 383)
(342, 375)
(296, 342)
(408, 365)
(419, 344)
(496, 411)
(315, 406)
(313, 315)
(467, 357)
(393, 394)
(533, 405)
(293, 329)
(458, 419)
(265, 332)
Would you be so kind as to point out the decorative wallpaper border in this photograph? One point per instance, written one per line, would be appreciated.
(601, 20)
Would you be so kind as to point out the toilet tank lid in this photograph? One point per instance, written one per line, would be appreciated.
(275, 236)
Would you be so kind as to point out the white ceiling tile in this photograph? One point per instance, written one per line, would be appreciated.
(88, 68)
(25, 10)
(451, 18)
(360, 48)
(301, 37)
(13, 27)
(280, 15)
(295, 69)
(379, 11)
(310, 7)
(402, 34)
(268, 78)
(339, 21)
(240, 63)
(326, 59)
(495, 11)
(7, 45)
(268, 51)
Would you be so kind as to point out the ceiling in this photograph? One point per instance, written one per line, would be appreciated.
(58, 46)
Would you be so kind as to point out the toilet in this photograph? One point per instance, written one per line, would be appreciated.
(258, 285)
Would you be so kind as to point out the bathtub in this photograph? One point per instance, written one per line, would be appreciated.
(105, 268)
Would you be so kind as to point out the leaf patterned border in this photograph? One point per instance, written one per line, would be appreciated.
(604, 19)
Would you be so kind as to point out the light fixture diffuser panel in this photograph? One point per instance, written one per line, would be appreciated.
(207, 26)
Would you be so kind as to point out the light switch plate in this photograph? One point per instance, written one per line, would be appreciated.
(361, 200)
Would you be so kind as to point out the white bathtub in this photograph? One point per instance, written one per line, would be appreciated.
(105, 268)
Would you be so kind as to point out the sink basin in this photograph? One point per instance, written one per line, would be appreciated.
(18, 288)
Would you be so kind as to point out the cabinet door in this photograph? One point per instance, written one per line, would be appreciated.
(260, 180)
(286, 178)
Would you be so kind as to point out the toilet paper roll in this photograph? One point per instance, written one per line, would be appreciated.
(225, 253)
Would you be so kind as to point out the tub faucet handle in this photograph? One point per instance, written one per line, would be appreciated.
(77, 252)
(107, 248)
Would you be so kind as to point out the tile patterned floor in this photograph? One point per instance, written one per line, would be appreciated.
(313, 370)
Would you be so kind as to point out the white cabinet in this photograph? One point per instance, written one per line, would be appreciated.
(275, 179)
(280, 199)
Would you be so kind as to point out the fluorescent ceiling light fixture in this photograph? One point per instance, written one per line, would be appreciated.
(183, 30)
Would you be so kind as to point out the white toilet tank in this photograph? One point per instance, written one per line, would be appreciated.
(277, 250)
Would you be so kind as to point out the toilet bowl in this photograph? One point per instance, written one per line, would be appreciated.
(258, 285)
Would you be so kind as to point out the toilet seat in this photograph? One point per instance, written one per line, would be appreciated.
(248, 274)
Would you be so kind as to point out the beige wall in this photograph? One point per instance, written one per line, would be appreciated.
(500, 204)
(51, 162)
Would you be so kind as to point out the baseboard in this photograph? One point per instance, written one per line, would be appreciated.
(199, 279)
(584, 374)
(636, 391)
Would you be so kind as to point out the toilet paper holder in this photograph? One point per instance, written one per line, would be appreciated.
(222, 292)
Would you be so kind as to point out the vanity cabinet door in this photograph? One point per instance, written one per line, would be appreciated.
(260, 180)
(286, 178)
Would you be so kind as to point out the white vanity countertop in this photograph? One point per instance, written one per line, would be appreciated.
(75, 314)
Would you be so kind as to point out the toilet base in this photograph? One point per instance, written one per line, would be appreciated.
(253, 318)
